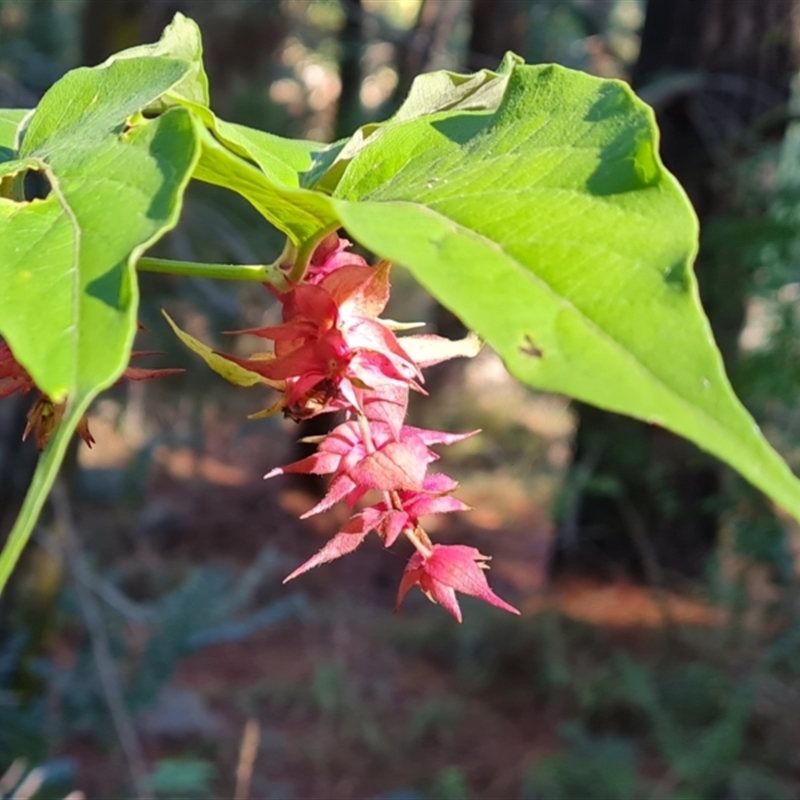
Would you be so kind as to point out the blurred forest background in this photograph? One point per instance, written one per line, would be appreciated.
(147, 646)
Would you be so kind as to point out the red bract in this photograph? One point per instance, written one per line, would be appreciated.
(13, 377)
(144, 374)
(448, 569)
(45, 415)
(331, 352)
(331, 254)
(329, 338)
(385, 463)
(43, 418)
(389, 518)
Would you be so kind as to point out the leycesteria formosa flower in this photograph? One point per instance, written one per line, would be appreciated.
(448, 569)
(331, 341)
(332, 352)
(45, 415)
(330, 255)
(381, 461)
(389, 518)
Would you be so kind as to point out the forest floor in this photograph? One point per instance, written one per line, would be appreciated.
(341, 697)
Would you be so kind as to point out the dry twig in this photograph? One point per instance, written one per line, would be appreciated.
(106, 669)
(247, 756)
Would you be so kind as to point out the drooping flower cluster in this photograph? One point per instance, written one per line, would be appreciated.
(332, 353)
(45, 415)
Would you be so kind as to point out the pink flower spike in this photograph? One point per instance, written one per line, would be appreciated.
(330, 256)
(387, 403)
(329, 344)
(347, 540)
(439, 437)
(389, 464)
(417, 504)
(343, 543)
(310, 303)
(370, 335)
(450, 568)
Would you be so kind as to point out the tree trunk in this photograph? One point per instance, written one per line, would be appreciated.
(639, 499)
(109, 26)
(348, 114)
(497, 26)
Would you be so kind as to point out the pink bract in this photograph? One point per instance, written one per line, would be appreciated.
(45, 415)
(331, 254)
(331, 352)
(448, 569)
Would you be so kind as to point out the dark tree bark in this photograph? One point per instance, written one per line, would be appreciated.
(419, 51)
(348, 114)
(414, 51)
(109, 26)
(640, 499)
(497, 26)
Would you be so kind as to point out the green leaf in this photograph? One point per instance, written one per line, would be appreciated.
(303, 215)
(68, 260)
(229, 370)
(273, 173)
(180, 40)
(266, 170)
(262, 167)
(90, 105)
(450, 91)
(551, 227)
(430, 93)
(69, 300)
(9, 122)
(42, 483)
(281, 160)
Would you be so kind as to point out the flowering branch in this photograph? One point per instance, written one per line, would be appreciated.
(332, 352)
(261, 273)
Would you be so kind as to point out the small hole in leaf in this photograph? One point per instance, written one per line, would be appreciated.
(35, 185)
(25, 186)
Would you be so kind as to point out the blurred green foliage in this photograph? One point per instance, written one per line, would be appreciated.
(669, 714)
(183, 778)
(594, 768)
(450, 784)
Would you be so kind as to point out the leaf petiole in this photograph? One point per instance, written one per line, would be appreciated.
(262, 273)
(305, 251)
(46, 472)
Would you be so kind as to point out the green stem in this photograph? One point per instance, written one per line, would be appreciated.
(306, 250)
(46, 471)
(262, 273)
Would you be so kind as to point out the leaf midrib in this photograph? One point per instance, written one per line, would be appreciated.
(74, 329)
(698, 412)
